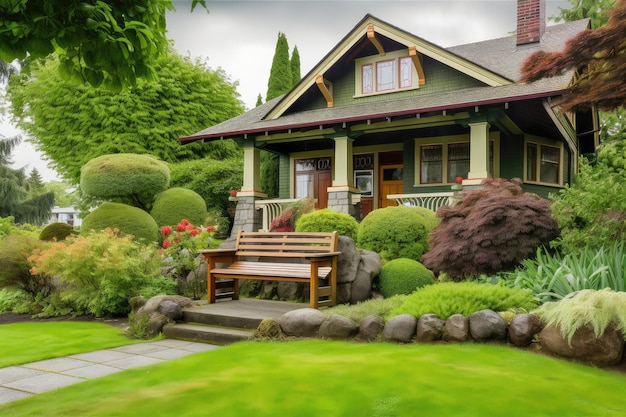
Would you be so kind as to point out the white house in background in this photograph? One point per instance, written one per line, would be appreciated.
(67, 215)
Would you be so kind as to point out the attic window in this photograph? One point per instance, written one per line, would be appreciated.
(379, 75)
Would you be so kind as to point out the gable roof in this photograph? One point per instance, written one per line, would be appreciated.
(495, 62)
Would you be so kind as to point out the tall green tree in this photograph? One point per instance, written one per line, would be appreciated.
(72, 124)
(102, 42)
(295, 66)
(15, 199)
(280, 80)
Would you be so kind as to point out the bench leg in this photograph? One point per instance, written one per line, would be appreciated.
(235, 289)
(210, 288)
(315, 285)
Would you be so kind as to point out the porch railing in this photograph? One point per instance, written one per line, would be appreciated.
(271, 209)
(431, 201)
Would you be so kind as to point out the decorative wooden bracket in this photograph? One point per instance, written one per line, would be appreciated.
(417, 64)
(325, 88)
(371, 35)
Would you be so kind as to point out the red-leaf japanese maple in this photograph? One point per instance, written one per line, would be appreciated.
(600, 57)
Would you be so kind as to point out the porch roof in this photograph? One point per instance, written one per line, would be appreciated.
(500, 55)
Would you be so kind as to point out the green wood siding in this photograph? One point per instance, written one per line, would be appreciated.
(284, 176)
(512, 157)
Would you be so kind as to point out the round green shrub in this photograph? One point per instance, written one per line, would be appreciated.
(327, 220)
(175, 204)
(402, 276)
(124, 174)
(56, 231)
(397, 232)
(129, 220)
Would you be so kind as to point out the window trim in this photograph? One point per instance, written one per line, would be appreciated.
(374, 60)
(539, 142)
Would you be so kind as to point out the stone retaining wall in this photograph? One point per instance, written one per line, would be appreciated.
(483, 326)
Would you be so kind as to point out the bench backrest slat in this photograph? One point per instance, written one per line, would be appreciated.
(288, 244)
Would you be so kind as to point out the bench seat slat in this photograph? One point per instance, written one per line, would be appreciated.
(267, 269)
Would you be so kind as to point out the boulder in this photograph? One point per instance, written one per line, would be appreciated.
(159, 311)
(338, 327)
(348, 262)
(604, 350)
(523, 328)
(429, 328)
(368, 270)
(371, 327)
(456, 328)
(487, 325)
(303, 322)
(400, 328)
(289, 290)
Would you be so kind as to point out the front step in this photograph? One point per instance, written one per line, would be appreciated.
(198, 332)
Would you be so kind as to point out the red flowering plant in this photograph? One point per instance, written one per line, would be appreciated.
(179, 249)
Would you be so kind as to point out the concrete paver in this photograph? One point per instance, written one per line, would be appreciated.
(22, 381)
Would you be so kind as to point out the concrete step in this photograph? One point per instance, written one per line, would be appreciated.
(199, 332)
(222, 320)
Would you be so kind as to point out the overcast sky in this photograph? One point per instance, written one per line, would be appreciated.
(240, 36)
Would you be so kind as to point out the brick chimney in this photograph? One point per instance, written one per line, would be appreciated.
(531, 21)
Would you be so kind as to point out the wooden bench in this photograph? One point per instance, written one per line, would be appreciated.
(317, 250)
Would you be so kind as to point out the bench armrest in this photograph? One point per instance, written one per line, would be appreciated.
(216, 252)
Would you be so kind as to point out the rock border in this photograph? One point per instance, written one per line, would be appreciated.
(485, 326)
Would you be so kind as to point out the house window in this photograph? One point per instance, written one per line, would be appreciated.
(431, 164)
(543, 163)
(450, 161)
(393, 72)
(386, 76)
(458, 160)
(305, 178)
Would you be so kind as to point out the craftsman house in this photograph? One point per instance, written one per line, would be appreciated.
(388, 117)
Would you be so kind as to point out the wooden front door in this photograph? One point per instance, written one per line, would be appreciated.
(324, 180)
(390, 182)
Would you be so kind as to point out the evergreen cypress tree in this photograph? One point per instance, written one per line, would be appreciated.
(295, 66)
(259, 100)
(280, 75)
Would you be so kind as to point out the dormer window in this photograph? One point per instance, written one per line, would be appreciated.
(385, 74)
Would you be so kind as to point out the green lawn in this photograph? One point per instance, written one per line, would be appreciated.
(32, 341)
(321, 378)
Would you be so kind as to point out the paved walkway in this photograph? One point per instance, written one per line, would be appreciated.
(21, 381)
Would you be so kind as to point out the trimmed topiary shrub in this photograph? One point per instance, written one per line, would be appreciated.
(56, 231)
(403, 276)
(175, 204)
(397, 232)
(492, 230)
(466, 298)
(327, 220)
(129, 220)
(132, 178)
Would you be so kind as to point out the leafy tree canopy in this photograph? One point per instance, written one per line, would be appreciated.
(72, 124)
(599, 54)
(595, 10)
(111, 42)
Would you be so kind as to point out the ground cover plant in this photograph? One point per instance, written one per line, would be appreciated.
(552, 276)
(322, 378)
(34, 341)
(448, 298)
(357, 312)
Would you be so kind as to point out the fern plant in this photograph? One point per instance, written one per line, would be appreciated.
(448, 298)
(595, 308)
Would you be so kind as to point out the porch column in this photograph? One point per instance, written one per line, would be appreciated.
(246, 216)
(343, 196)
(479, 153)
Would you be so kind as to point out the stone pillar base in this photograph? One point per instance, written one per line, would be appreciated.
(247, 217)
(345, 202)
